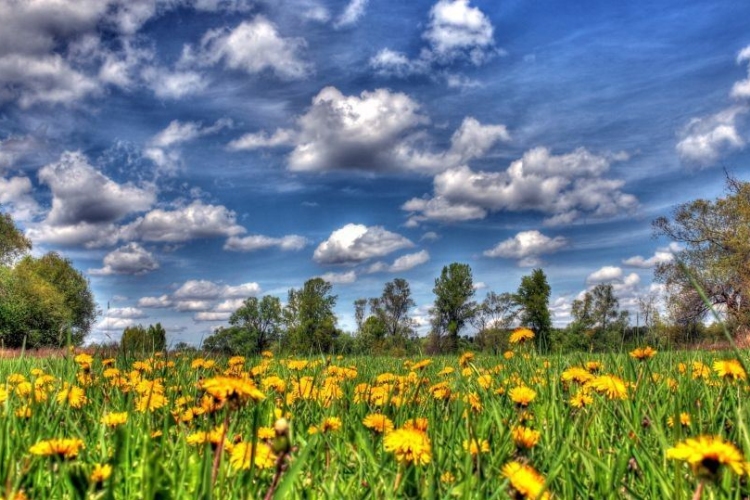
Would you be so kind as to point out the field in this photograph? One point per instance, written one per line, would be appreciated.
(518, 425)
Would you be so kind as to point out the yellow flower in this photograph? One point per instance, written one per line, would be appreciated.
(525, 480)
(447, 477)
(484, 381)
(63, 448)
(236, 361)
(643, 353)
(522, 395)
(613, 387)
(730, 369)
(84, 361)
(419, 423)
(331, 424)
(576, 374)
(508, 354)
(421, 364)
(521, 335)
(446, 371)
(150, 402)
(684, 420)
(524, 437)
(230, 388)
(273, 382)
(700, 370)
(466, 358)
(240, 456)
(593, 366)
(378, 422)
(476, 446)
(706, 454)
(581, 399)
(473, 400)
(266, 433)
(101, 473)
(267, 354)
(115, 419)
(410, 446)
(73, 395)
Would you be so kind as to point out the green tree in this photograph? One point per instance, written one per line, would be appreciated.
(392, 309)
(13, 243)
(230, 341)
(309, 317)
(533, 299)
(598, 322)
(492, 319)
(715, 257)
(260, 319)
(453, 307)
(139, 340)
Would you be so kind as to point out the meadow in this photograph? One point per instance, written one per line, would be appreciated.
(644, 424)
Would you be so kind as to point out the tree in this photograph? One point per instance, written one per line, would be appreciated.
(260, 319)
(533, 299)
(309, 317)
(715, 257)
(492, 318)
(392, 309)
(139, 340)
(13, 243)
(453, 306)
(230, 341)
(360, 306)
(597, 316)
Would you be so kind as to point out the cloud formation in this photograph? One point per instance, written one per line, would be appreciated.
(662, 255)
(256, 242)
(356, 243)
(527, 247)
(130, 259)
(401, 264)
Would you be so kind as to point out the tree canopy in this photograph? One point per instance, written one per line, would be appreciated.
(533, 299)
(453, 306)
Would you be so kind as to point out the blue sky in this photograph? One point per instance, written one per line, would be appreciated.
(189, 154)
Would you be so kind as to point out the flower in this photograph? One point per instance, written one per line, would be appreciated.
(477, 446)
(240, 456)
(331, 424)
(466, 358)
(730, 369)
(421, 364)
(521, 335)
(73, 395)
(706, 454)
(525, 437)
(101, 473)
(114, 419)
(409, 446)
(684, 420)
(63, 448)
(576, 374)
(522, 395)
(613, 387)
(643, 353)
(581, 399)
(447, 477)
(266, 433)
(525, 480)
(84, 361)
(419, 423)
(230, 388)
(378, 422)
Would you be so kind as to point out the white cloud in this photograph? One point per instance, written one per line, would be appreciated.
(15, 195)
(168, 84)
(212, 316)
(376, 130)
(662, 255)
(178, 132)
(353, 12)
(566, 187)
(527, 247)
(192, 305)
(259, 242)
(125, 312)
(253, 47)
(129, 259)
(401, 264)
(204, 290)
(356, 243)
(457, 30)
(340, 278)
(161, 302)
(704, 140)
(114, 324)
(196, 220)
(605, 274)
(741, 89)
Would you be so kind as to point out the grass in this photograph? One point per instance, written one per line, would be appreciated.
(612, 448)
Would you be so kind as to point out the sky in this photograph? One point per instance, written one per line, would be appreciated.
(188, 154)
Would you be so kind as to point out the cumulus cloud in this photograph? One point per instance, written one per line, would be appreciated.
(565, 187)
(209, 290)
(661, 256)
(741, 89)
(340, 278)
(353, 12)
(259, 242)
(125, 312)
(129, 259)
(161, 302)
(253, 47)
(376, 130)
(212, 316)
(355, 243)
(401, 264)
(604, 274)
(161, 149)
(16, 197)
(704, 140)
(527, 247)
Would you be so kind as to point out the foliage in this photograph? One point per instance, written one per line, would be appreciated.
(533, 299)
(13, 243)
(715, 256)
(492, 319)
(598, 323)
(453, 307)
(309, 318)
(137, 339)
(387, 328)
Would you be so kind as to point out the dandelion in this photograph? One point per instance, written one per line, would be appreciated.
(484, 381)
(266, 433)
(419, 423)
(230, 388)
(700, 370)
(410, 446)
(84, 361)
(525, 437)
(611, 386)
(521, 335)
(730, 369)
(525, 480)
(522, 395)
(581, 399)
(465, 359)
(643, 353)
(421, 364)
(684, 420)
(73, 395)
(331, 424)
(576, 374)
(476, 446)
(101, 473)
(240, 456)
(706, 455)
(447, 477)
(115, 419)
(378, 423)
(594, 366)
(508, 354)
(62, 448)
(150, 402)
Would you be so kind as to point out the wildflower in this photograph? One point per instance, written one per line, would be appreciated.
(378, 422)
(266, 433)
(446, 371)
(508, 354)
(150, 402)
(441, 390)
(331, 424)
(643, 353)
(297, 364)
(409, 446)
(484, 381)
(115, 419)
(700, 370)
(236, 361)
(525, 480)
(273, 382)
(525, 437)
(684, 420)
(476, 446)
(63, 448)
(521, 335)
(240, 456)
(473, 400)
(267, 354)
(101, 473)
(522, 395)
(421, 364)
(730, 369)
(230, 388)
(419, 423)
(594, 366)
(613, 387)
(465, 359)
(447, 477)
(73, 395)
(706, 454)
(84, 361)
(581, 399)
